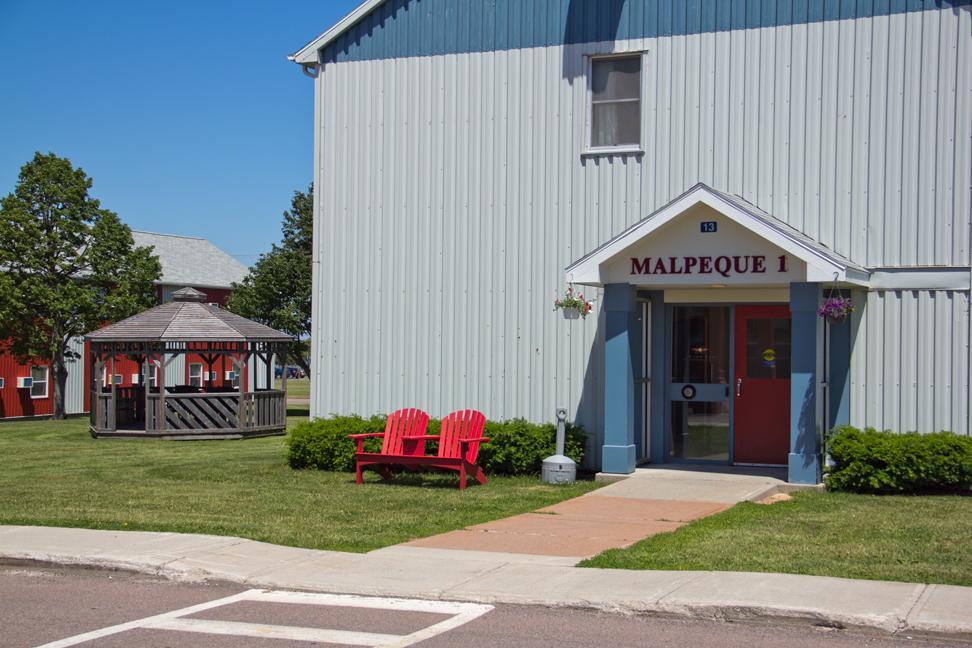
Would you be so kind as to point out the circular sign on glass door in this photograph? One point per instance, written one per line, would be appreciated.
(688, 392)
(769, 358)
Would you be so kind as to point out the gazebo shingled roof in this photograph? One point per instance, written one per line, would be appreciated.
(187, 319)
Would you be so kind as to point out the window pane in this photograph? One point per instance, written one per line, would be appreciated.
(768, 348)
(616, 78)
(39, 386)
(700, 345)
(616, 124)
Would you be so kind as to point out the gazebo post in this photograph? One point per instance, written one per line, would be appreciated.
(161, 413)
(269, 368)
(147, 385)
(113, 410)
(283, 382)
(93, 386)
(239, 365)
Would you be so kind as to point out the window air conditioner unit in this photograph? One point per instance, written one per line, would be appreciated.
(135, 378)
(24, 382)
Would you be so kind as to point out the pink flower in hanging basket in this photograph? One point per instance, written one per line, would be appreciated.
(571, 303)
(836, 308)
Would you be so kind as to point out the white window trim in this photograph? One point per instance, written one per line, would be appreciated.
(200, 374)
(45, 382)
(624, 149)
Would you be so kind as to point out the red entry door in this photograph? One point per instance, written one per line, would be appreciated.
(761, 393)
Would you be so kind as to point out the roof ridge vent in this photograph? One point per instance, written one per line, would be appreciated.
(188, 294)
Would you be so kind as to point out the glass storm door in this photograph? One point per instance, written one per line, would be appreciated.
(699, 385)
(761, 393)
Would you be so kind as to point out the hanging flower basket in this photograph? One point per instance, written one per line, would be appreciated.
(573, 306)
(836, 309)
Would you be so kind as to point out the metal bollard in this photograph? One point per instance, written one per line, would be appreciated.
(559, 469)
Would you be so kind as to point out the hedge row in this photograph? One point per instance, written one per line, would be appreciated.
(868, 461)
(516, 447)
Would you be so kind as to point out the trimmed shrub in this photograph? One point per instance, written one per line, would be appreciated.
(324, 443)
(516, 447)
(868, 461)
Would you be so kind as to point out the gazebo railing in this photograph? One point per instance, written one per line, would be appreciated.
(102, 413)
(265, 410)
(262, 411)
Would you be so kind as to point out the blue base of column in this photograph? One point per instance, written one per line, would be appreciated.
(618, 459)
(804, 468)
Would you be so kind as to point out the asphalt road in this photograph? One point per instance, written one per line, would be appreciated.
(40, 604)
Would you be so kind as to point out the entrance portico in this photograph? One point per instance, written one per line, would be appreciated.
(713, 348)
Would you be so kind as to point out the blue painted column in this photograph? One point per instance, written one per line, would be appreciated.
(659, 345)
(804, 459)
(620, 307)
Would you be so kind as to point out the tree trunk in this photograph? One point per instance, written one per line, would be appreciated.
(60, 383)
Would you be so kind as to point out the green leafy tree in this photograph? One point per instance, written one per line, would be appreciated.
(277, 291)
(67, 266)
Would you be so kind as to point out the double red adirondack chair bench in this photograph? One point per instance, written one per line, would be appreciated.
(403, 444)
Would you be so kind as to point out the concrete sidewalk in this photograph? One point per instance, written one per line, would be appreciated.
(648, 502)
(408, 571)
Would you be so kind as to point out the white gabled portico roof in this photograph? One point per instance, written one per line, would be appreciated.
(823, 265)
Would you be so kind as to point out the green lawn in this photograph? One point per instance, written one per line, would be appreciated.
(916, 539)
(54, 473)
(296, 388)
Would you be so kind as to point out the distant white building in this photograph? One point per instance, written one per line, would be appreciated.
(709, 172)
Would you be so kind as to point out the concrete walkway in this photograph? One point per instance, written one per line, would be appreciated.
(651, 501)
(897, 608)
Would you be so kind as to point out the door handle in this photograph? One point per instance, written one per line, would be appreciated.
(739, 387)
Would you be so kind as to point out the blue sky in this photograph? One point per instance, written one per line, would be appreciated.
(187, 115)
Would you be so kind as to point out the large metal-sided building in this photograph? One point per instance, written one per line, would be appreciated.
(710, 172)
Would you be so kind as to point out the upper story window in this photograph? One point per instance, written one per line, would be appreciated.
(616, 102)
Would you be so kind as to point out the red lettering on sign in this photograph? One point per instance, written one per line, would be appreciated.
(723, 265)
(640, 266)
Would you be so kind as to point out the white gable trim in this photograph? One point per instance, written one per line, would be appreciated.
(307, 55)
(821, 267)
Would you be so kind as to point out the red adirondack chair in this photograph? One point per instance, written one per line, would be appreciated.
(402, 440)
(459, 440)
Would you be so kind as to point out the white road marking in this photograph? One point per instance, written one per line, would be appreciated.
(462, 613)
(294, 633)
(133, 625)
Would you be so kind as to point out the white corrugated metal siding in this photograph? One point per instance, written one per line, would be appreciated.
(910, 361)
(75, 385)
(453, 191)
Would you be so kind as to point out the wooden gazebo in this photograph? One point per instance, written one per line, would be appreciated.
(154, 339)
